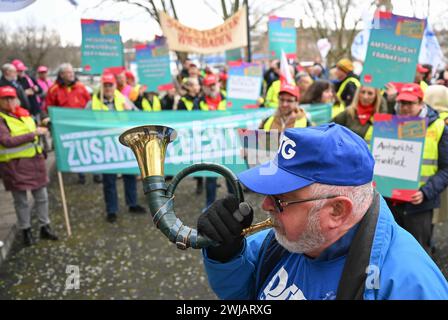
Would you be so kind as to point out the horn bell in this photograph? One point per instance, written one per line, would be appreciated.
(149, 145)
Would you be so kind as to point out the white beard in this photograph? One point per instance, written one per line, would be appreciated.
(310, 240)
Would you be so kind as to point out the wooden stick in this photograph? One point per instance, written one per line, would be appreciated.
(64, 204)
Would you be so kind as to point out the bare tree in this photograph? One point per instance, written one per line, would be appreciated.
(35, 46)
(337, 20)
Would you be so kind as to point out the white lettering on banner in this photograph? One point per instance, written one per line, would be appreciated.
(396, 158)
(280, 291)
(285, 142)
(95, 147)
(96, 153)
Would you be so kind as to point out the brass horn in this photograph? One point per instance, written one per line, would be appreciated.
(149, 144)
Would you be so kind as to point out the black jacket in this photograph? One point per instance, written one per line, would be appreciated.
(34, 100)
(350, 89)
(24, 102)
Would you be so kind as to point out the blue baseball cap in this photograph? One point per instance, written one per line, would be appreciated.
(328, 154)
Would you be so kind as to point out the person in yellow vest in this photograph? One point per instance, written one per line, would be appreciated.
(190, 100)
(420, 75)
(347, 81)
(22, 165)
(416, 216)
(212, 99)
(358, 117)
(271, 99)
(150, 102)
(110, 99)
(289, 114)
(437, 97)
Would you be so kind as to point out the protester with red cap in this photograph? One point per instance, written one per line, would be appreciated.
(108, 98)
(416, 216)
(31, 87)
(22, 164)
(43, 81)
(420, 75)
(289, 114)
(212, 100)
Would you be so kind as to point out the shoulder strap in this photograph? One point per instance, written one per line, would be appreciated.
(268, 257)
(352, 283)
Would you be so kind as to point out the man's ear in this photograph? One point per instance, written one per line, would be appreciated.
(341, 209)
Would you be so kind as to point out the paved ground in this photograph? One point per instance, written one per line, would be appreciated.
(129, 260)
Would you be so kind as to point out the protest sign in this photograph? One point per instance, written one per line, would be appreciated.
(244, 85)
(393, 50)
(87, 141)
(397, 147)
(229, 35)
(101, 45)
(234, 55)
(153, 66)
(282, 36)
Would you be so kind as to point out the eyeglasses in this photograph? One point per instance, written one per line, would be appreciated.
(280, 204)
(286, 100)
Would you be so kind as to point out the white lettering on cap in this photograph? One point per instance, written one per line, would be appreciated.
(287, 153)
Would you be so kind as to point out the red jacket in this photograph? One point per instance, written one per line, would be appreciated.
(75, 96)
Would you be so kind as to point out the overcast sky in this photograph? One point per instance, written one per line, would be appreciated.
(137, 24)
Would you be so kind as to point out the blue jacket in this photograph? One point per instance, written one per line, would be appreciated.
(399, 269)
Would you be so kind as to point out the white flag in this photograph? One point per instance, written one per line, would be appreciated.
(285, 73)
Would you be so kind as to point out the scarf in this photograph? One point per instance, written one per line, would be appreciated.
(365, 113)
(213, 103)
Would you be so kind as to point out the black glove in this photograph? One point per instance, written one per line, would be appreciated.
(223, 222)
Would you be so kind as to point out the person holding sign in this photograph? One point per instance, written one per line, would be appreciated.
(358, 117)
(416, 216)
(110, 99)
(289, 114)
(333, 236)
(22, 165)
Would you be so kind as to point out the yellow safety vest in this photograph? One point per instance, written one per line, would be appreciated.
(368, 136)
(221, 106)
(119, 102)
(344, 84)
(146, 105)
(443, 115)
(300, 123)
(190, 104)
(19, 127)
(337, 109)
(272, 94)
(429, 165)
(423, 86)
